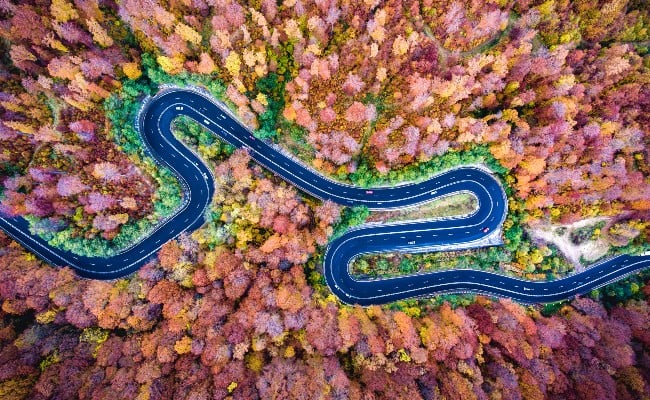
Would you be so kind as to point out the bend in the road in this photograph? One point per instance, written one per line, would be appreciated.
(154, 125)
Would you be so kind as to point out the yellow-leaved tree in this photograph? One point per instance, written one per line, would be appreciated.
(62, 11)
(188, 33)
(99, 33)
(171, 65)
(131, 70)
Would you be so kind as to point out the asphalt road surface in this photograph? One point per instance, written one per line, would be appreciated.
(480, 229)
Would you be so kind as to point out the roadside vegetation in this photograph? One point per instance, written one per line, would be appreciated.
(459, 204)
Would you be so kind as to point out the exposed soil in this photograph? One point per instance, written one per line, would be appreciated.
(564, 238)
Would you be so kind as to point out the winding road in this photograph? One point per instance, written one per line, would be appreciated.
(480, 229)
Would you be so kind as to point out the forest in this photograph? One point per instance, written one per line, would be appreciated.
(553, 96)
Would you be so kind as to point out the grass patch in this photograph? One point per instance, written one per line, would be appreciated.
(453, 205)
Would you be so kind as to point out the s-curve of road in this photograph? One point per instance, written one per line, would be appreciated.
(482, 228)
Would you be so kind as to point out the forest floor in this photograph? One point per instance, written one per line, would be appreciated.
(576, 241)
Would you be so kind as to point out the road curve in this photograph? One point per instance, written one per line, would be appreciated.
(413, 236)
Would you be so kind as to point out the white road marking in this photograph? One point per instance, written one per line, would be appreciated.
(606, 276)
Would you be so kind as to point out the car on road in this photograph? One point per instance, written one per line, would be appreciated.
(363, 293)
